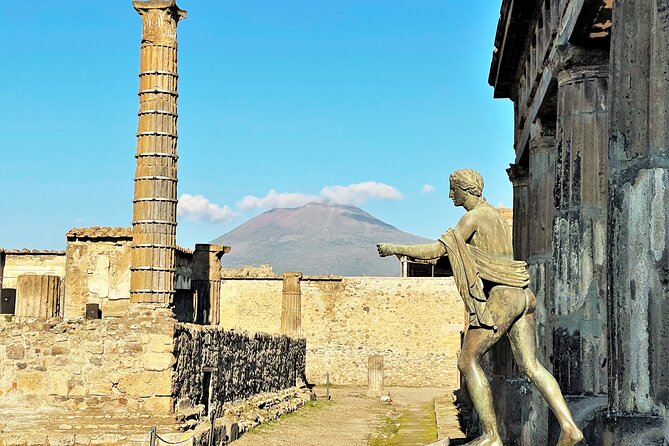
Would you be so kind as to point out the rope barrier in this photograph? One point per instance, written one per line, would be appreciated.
(174, 442)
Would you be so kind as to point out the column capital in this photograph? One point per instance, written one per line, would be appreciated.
(574, 63)
(518, 175)
(542, 136)
(159, 20)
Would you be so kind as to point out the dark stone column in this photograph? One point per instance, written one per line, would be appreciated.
(510, 388)
(639, 223)
(578, 305)
(541, 211)
(579, 353)
(519, 177)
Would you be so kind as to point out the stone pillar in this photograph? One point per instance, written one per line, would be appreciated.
(291, 305)
(375, 374)
(510, 388)
(155, 198)
(206, 282)
(541, 211)
(579, 232)
(638, 224)
(38, 296)
(541, 208)
(519, 177)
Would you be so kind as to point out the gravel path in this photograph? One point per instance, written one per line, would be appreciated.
(351, 418)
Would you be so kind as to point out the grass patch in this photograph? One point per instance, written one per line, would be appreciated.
(386, 434)
(304, 411)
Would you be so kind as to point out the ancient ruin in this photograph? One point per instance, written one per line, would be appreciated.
(125, 336)
(590, 192)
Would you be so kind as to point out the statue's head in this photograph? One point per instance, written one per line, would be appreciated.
(465, 183)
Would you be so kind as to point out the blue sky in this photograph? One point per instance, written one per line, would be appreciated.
(371, 100)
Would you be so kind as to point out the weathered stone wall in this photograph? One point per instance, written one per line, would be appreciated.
(414, 323)
(239, 365)
(110, 365)
(97, 271)
(37, 263)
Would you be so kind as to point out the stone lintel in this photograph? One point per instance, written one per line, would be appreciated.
(219, 250)
(575, 63)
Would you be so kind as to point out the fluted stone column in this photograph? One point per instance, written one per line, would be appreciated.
(510, 388)
(291, 306)
(519, 177)
(579, 238)
(155, 198)
(541, 211)
(38, 296)
(639, 224)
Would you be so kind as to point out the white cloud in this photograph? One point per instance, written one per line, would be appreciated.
(275, 199)
(199, 208)
(427, 189)
(355, 194)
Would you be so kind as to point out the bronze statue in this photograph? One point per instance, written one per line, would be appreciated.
(495, 290)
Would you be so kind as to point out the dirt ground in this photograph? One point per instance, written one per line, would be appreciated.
(352, 418)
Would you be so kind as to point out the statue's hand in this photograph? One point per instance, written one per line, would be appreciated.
(385, 249)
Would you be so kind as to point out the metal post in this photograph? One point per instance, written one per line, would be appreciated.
(327, 385)
(154, 434)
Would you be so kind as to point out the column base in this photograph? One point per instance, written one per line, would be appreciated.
(588, 412)
(634, 431)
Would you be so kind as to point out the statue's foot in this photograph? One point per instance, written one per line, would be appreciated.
(485, 440)
(570, 436)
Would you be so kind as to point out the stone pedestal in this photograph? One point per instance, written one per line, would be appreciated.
(155, 198)
(375, 374)
(291, 305)
(638, 223)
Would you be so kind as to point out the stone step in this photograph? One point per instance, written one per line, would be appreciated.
(446, 415)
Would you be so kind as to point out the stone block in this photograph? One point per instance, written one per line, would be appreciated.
(146, 384)
(15, 351)
(157, 343)
(61, 439)
(157, 361)
(31, 382)
(157, 406)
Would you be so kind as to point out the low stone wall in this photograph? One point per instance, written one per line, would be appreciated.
(215, 365)
(109, 365)
(414, 323)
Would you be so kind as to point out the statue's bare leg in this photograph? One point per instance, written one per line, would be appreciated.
(504, 303)
(523, 344)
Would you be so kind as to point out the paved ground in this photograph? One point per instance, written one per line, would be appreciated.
(352, 418)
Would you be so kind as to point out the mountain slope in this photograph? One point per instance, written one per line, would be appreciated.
(316, 239)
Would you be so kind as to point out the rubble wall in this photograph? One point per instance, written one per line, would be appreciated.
(414, 323)
(112, 365)
(240, 365)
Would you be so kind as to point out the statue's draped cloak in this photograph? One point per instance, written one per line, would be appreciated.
(471, 266)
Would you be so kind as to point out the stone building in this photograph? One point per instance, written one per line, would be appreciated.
(590, 89)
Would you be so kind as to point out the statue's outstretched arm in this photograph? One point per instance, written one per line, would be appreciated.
(421, 252)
